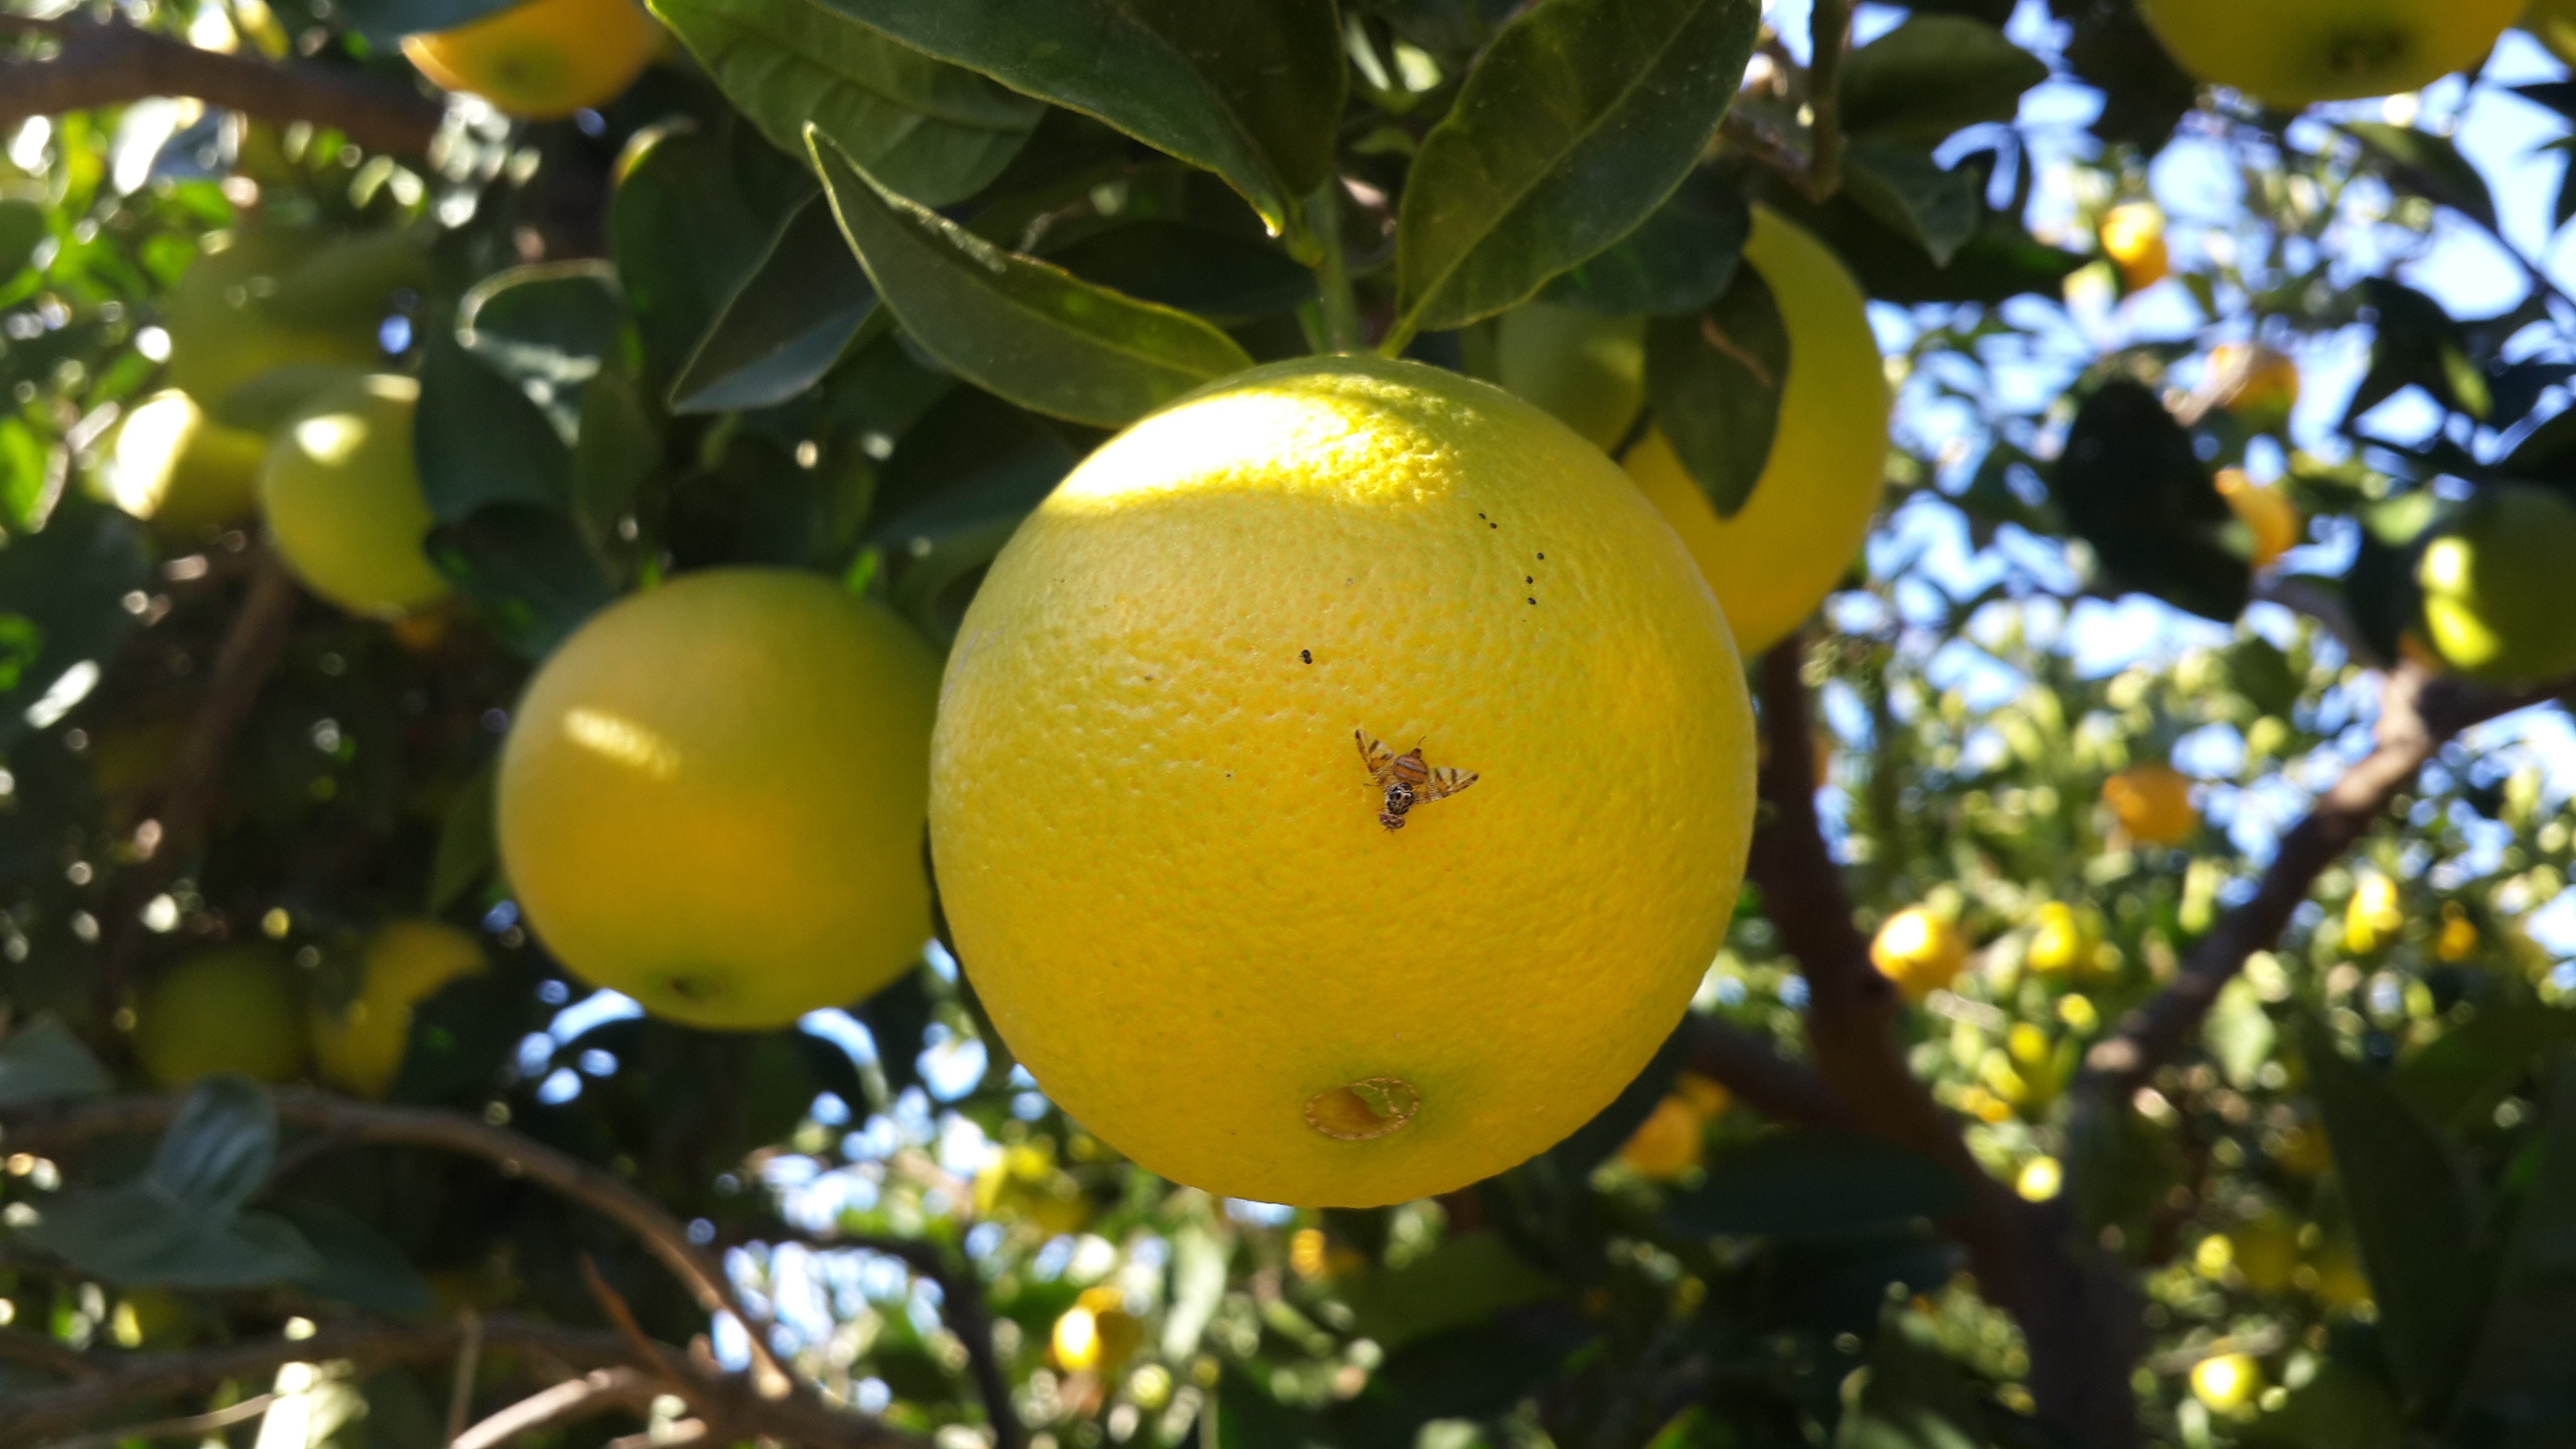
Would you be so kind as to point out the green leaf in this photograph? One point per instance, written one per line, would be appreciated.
(2521, 1360)
(526, 569)
(1911, 1396)
(1466, 1278)
(62, 611)
(1466, 1373)
(22, 230)
(357, 1266)
(479, 440)
(957, 489)
(617, 449)
(2240, 1032)
(1243, 1415)
(546, 326)
(2428, 165)
(2460, 1076)
(1028, 331)
(1715, 379)
(1814, 1184)
(684, 234)
(42, 1062)
(1219, 275)
(1577, 122)
(1250, 90)
(2132, 486)
(1932, 75)
(1679, 259)
(1909, 192)
(467, 849)
(796, 313)
(934, 131)
(2415, 1212)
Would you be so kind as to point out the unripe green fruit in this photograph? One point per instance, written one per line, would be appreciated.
(234, 1009)
(1587, 368)
(2293, 53)
(2499, 594)
(343, 498)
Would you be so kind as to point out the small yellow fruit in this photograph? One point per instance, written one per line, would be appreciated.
(232, 1009)
(1776, 559)
(2260, 384)
(360, 1048)
(343, 498)
(543, 59)
(2066, 943)
(2459, 938)
(1920, 951)
(1588, 369)
(1709, 1099)
(2133, 237)
(2293, 53)
(2226, 1382)
(2267, 513)
(2499, 597)
(2040, 1179)
(2373, 915)
(2153, 804)
(1667, 1144)
(168, 463)
(1096, 1333)
(1151, 821)
(712, 798)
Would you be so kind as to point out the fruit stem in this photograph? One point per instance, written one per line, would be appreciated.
(1337, 305)
(1828, 35)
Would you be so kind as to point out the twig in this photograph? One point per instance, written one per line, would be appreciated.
(460, 1387)
(601, 1391)
(37, 1351)
(1828, 35)
(192, 1426)
(110, 64)
(1749, 1066)
(1335, 302)
(961, 1304)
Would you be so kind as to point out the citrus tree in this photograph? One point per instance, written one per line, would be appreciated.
(1418, 722)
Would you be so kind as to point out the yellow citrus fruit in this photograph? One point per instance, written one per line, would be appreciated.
(2040, 1179)
(168, 463)
(343, 498)
(1586, 368)
(2226, 1382)
(2259, 384)
(2153, 804)
(1153, 823)
(1667, 1144)
(2553, 23)
(2293, 53)
(404, 963)
(2499, 599)
(712, 797)
(261, 297)
(2133, 237)
(2459, 938)
(2372, 915)
(1096, 1333)
(543, 59)
(1776, 559)
(1708, 1098)
(232, 1009)
(2068, 941)
(2267, 513)
(1920, 951)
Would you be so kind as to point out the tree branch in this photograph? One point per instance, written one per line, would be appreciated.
(193, 1426)
(601, 1391)
(39, 1352)
(1828, 35)
(1761, 1076)
(110, 64)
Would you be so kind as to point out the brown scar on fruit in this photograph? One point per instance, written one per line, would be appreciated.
(1368, 1108)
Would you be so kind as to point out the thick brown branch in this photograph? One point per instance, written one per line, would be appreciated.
(106, 65)
(601, 1391)
(1761, 1076)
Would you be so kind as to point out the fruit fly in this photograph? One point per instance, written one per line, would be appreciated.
(1406, 780)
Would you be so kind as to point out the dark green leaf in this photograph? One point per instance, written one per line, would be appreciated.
(1218, 275)
(2462, 1074)
(358, 1267)
(1252, 91)
(1907, 190)
(2143, 92)
(62, 610)
(2415, 1212)
(1715, 380)
(684, 235)
(467, 850)
(2519, 1371)
(1244, 1415)
(619, 446)
(479, 440)
(217, 1151)
(796, 312)
(2342, 1407)
(2131, 485)
(1910, 1396)
(1814, 1184)
(896, 1019)
(933, 131)
(1679, 259)
(1932, 75)
(526, 569)
(2417, 344)
(42, 1061)
(1580, 118)
(1465, 1373)
(757, 505)
(2428, 165)
(991, 466)
(1023, 329)
(546, 325)
(1466, 1278)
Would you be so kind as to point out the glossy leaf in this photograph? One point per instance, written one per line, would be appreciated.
(1466, 1278)
(1251, 91)
(356, 1265)
(2460, 1076)
(1909, 192)
(2521, 1359)
(1715, 379)
(1028, 331)
(1814, 1184)
(1218, 275)
(548, 324)
(1911, 1397)
(935, 132)
(62, 611)
(42, 1061)
(1678, 260)
(526, 569)
(2132, 486)
(2430, 166)
(1932, 75)
(1580, 118)
(794, 315)
(479, 440)
(685, 233)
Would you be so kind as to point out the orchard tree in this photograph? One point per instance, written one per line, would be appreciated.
(1418, 722)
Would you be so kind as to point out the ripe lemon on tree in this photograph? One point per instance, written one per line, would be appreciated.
(343, 498)
(2294, 53)
(230, 1009)
(2152, 803)
(712, 797)
(1918, 950)
(1775, 560)
(1161, 849)
(360, 1047)
(2499, 599)
(170, 464)
(543, 59)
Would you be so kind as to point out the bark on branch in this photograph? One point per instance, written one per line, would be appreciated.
(111, 64)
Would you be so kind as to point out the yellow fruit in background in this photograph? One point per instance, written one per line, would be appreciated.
(2153, 804)
(1667, 1144)
(2040, 1179)
(2226, 1382)
(2257, 383)
(2067, 942)
(1159, 844)
(2459, 938)
(266, 296)
(404, 963)
(2293, 53)
(2266, 1252)
(2341, 1283)
(2267, 513)
(712, 797)
(2372, 915)
(343, 498)
(2499, 595)
(2553, 24)
(1587, 369)
(2133, 237)
(231, 1009)
(1776, 559)
(1708, 1098)
(1096, 1333)
(543, 59)
(168, 463)
(1919, 951)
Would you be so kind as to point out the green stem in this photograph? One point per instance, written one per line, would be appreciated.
(1339, 305)
(1828, 34)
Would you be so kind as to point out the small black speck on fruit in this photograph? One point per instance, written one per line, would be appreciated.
(1306, 656)
(1529, 578)
(1533, 601)
(1542, 558)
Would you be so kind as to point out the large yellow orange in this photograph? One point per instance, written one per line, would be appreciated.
(713, 794)
(543, 59)
(343, 498)
(2293, 53)
(1783, 551)
(230, 1009)
(1160, 846)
